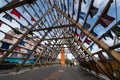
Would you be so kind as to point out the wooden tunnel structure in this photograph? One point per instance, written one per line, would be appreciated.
(39, 29)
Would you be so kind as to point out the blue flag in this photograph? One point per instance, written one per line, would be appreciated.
(22, 43)
(21, 28)
(5, 45)
(95, 34)
(6, 16)
(91, 47)
(82, 15)
(28, 51)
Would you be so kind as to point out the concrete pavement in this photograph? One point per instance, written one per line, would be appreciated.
(52, 73)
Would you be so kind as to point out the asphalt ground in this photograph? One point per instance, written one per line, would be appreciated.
(52, 73)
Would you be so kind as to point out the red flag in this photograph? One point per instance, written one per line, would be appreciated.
(88, 41)
(1, 52)
(105, 19)
(35, 52)
(32, 19)
(101, 56)
(80, 40)
(82, 35)
(75, 1)
(76, 34)
(0, 23)
(8, 36)
(16, 13)
(17, 49)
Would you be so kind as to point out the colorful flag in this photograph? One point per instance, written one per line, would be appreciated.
(101, 56)
(62, 6)
(93, 11)
(105, 19)
(70, 28)
(76, 34)
(16, 31)
(23, 9)
(87, 26)
(1, 52)
(32, 19)
(27, 38)
(75, 1)
(1, 23)
(88, 41)
(42, 23)
(30, 1)
(82, 15)
(5, 45)
(82, 35)
(35, 52)
(109, 34)
(95, 34)
(6, 16)
(49, 30)
(79, 40)
(16, 13)
(8, 36)
(70, 3)
(22, 43)
(91, 47)
(17, 49)
(65, 7)
(84, 1)
(45, 20)
(21, 28)
(28, 51)
(116, 30)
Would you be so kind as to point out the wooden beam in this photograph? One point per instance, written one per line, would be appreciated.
(11, 6)
(59, 38)
(54, 27)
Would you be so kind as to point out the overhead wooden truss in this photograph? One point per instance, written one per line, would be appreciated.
(55, 25)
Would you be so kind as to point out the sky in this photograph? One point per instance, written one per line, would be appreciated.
(98, 29)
